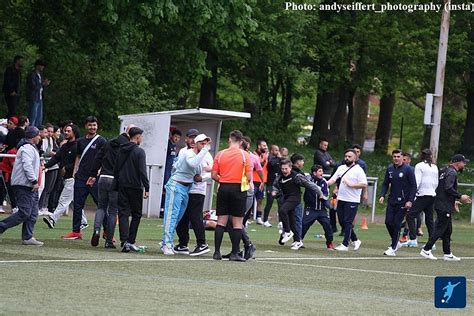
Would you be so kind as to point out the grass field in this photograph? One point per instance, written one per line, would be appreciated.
(71, 277)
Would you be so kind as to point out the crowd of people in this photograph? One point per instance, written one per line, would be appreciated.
(113, 172)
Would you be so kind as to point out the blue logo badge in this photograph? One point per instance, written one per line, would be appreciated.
(450, 292)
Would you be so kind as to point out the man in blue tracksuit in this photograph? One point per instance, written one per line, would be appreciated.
(314, 206)
(401, 180)
(298, 163)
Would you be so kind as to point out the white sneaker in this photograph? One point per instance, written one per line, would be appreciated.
(14, 210)
(399, 245)
(410, 243)
(341, 247)
(167, 251)
(389, 252)
(357, 244)
(451, 257)
(40, 212)
(32, 242)
(280, 228)
(2, 211)
(259, 221)
(286, 237)
(267, 224)
(427, 254)
(296, 245)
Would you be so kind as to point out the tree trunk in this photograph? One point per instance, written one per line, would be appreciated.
(208, 95)
(361, 111)
(283, 97)
(275, 89)
(384, 124)
(326, 105)
(339, 121)
(350, 117)
(263, 95)
(288, 100)
(468, 139)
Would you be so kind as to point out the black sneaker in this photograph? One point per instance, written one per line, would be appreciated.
(49, 221)
(181, 250)
(110, 245)
(217, 256)
(126, 247)
(227, 256)
(200, 250)
(249, 251)
(95, 238)
(236, 257)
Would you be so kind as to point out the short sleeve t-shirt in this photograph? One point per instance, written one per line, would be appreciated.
(356, 176)
(229, 165)
(256, 166)
(87, 160)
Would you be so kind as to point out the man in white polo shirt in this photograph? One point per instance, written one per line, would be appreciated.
(350, 180)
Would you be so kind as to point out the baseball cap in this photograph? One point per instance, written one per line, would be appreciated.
(31, 132)
(458, 158)
(14, 120)
(201, 137)
(192, 132)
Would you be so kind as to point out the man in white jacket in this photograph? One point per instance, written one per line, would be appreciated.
(25, 184)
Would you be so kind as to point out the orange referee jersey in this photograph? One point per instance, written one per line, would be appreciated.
(229, 164)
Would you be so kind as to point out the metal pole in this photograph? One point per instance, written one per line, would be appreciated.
(374, 201)
(440, 68)
(401, 134)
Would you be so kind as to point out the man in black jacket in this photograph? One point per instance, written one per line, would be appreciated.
(12, 85)
(445, 205)
(65, 157)
(105, 161)
(288, 184)
(131, 177)
(273, 169)
(323, 158)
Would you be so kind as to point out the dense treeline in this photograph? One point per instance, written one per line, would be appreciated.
(111, 57)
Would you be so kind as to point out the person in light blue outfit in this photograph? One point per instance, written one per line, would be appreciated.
(186, 167)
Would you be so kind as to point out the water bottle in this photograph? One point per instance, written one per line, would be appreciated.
(142, 249)
(318, 236)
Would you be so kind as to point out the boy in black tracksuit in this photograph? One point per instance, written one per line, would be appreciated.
(445, 205)
(131, 177)
(314, 206)
(288, 184)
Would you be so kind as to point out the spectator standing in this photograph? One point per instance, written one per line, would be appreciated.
(323, 158)
(12, 85)
(35, 84)
(273, 169)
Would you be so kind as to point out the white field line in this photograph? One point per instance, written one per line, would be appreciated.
(209, 259)
(354, 269)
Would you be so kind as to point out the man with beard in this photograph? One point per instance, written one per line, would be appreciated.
(445, 205)
(260, 179)
(351, 180)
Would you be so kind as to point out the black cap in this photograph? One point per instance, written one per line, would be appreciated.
(192, 132)
(295, 157)
(458, 158)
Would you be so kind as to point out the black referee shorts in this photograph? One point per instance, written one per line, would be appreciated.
(230, 200)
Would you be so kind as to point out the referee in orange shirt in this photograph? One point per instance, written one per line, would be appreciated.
(229, 166)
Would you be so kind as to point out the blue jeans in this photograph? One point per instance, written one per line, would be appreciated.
(35, 112)
(176, 202)
(81, 192)
(27, 203)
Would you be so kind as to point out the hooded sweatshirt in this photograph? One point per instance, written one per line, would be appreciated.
(27, 165)
(106, 158)
(130, 169)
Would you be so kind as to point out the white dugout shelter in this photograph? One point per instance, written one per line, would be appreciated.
(156, 128)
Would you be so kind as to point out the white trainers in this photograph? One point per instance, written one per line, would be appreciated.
(267, 224)
(399, 245)
(259, 221)
(451, 257)
(389, 252)
(286, 236)
(296, 245)
(341, 247)
(427, 254)
(410, 243)
(357, 244)
(32, 242)
(167, 251)
(14, 210)
(280, 228)
(2, 211)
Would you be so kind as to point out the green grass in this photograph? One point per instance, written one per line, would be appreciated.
(279, 281)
